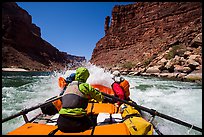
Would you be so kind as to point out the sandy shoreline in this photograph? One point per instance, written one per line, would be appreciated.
(13, 69)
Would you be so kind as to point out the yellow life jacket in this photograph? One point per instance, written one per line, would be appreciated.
(125, 85)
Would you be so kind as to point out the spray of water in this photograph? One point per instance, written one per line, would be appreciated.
(182, 100)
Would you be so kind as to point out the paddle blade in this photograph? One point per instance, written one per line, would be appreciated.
(61, 82)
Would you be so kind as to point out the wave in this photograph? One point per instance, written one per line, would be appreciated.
(182, 100)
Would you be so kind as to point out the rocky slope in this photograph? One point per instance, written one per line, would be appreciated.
(160, 38)
(22, 45)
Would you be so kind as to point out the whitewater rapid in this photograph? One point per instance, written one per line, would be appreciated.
(182, 100)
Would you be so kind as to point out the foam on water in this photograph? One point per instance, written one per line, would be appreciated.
(24, 96)
(99, 76)
(182, 100)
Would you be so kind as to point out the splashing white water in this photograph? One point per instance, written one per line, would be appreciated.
(99, 76)
(182, 100)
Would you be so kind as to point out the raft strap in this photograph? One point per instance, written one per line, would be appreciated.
(151, 121)
(190, 129)
(130, 115)
(53, 131)
(156, 129)
(92, 106)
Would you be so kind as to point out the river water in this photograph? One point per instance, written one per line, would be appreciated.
(181, 100)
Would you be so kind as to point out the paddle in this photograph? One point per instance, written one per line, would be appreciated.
(25, 111)
(154, 112)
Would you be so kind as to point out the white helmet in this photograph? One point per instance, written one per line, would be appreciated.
(116, 76)
(116, 73)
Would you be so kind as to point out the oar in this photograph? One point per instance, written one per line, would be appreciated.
(154, 112)
(25, 111)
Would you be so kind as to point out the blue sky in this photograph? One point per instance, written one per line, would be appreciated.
(72, 27)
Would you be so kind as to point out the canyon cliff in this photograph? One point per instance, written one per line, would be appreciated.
(23, 47)
(155, 37)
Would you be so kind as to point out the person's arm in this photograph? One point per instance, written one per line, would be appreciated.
(90, 91)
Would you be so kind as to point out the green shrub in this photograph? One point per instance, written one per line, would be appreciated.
(176, 50)
(149, 60)
(128, 65)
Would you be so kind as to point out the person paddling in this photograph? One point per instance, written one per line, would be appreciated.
(73, 116)
(120, 87)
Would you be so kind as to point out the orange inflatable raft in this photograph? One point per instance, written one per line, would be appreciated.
(107, 121)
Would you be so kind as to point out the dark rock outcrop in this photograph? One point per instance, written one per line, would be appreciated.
(107, 21)
(152, 37)
(22, 45)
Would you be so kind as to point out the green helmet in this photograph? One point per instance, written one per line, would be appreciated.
(82, 74)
